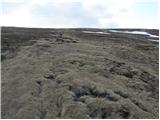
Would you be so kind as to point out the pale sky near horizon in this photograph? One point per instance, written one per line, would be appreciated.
(80, 13)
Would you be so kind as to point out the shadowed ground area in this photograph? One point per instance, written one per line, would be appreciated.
(79, 73)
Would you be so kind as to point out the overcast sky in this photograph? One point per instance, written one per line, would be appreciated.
(80, 13)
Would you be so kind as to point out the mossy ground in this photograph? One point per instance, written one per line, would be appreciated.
(65, 73)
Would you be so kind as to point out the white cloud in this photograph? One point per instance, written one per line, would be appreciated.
(89, 13)
(18, 17)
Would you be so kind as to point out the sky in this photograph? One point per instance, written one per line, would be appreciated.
(80, 13)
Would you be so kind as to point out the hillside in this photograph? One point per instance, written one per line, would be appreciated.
(79, 73)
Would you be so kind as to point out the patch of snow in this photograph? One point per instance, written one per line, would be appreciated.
(153, 40)
(136, 32)
(154, 36)
(116, 31)
(95, 32)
